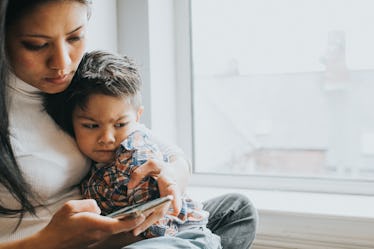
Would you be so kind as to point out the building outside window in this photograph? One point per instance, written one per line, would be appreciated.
(284, 89)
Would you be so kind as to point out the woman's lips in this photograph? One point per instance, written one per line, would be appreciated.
(58, 79)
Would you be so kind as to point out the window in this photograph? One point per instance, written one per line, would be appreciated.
(282, 92)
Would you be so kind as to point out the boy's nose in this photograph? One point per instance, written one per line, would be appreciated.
(107, 138)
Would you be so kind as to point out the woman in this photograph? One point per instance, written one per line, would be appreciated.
(40, 165)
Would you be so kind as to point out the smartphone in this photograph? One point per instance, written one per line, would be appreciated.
(137, 209)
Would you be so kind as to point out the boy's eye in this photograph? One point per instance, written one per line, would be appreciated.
(34, 47)
(119, 125)
(90, 126)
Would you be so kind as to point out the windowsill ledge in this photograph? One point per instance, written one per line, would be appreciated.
(356, 206)
(306, 220)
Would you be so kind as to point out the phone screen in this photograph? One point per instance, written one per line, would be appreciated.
(137, 209)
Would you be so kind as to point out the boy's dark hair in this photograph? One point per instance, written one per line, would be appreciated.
(99, 72)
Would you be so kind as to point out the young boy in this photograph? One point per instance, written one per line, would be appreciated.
(101, 110)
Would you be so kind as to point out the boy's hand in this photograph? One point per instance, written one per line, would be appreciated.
(164, 175)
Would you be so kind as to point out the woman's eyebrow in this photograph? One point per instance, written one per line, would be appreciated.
(48, 37)
(78, 28)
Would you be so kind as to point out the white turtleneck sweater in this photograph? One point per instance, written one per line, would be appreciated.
(48, 158)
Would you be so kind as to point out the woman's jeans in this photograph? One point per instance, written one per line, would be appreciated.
(232, 217)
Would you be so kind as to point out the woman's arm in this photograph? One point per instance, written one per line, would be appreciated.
(34, 241)
(77, 225)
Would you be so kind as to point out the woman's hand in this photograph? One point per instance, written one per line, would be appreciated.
(151, 217)
(123, 239)
(79, 224)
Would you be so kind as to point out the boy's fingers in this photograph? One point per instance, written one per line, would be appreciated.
(150, 168)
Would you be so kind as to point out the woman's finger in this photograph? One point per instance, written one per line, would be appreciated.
(128, 224)
(114, 225)
(78, 206)
(152, 216)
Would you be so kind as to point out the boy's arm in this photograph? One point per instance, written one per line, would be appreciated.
(178, 166)
(172, 175)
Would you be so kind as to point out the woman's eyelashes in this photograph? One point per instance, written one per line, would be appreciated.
(76, 38)
(33, 46)
(37, 47)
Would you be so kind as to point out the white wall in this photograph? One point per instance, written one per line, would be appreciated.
(102, 27)
(162, 64)
(133, 40)
(146, 33)
(143, 30)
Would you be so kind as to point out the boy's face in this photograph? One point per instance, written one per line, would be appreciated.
(103, 125)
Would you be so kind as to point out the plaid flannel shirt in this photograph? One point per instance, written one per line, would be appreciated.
(107, 184)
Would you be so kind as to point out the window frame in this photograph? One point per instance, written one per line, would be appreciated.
(309, 220)
(185, 134)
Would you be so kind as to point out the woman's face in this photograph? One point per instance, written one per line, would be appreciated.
(45, 46)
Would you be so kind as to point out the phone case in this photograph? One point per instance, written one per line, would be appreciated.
(137, 209)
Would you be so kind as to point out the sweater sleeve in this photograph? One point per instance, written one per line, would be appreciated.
(171, 152)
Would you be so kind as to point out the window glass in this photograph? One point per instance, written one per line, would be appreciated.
(283, 87)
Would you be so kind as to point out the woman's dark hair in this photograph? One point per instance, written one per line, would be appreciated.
(10, 174)
(18, 8)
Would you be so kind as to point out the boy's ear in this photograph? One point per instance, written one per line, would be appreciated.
(139, 113)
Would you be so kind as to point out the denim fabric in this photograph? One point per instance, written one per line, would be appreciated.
(194, 238)
(232, 217)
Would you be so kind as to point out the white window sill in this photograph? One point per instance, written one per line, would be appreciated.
(306, 220)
